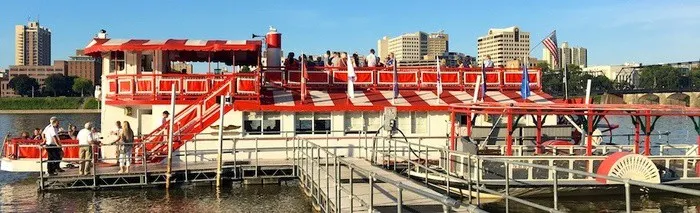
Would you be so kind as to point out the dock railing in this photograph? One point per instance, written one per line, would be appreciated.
(456, 164)
(306, 160)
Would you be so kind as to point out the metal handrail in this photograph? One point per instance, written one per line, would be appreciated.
(443, 199)
(626, 181)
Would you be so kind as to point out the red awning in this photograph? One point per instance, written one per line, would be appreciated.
(318, 100)
(107, 45)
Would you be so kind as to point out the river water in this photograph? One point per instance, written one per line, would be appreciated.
(18, 190)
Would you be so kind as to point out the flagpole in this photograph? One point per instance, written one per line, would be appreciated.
(540, 43)
(566, 83)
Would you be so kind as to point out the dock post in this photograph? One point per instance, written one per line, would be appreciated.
(507, 197)
(220, 141)
(628, 202)
(556, 188)
(399, 206)
(328, 180)
(371, 192)
(94, 161)
(41, 167)
(337, 182)
(168, 173)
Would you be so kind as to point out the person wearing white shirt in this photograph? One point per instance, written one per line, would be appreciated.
(488, 63)
(53, 151)
(371, 59)
(85, 140)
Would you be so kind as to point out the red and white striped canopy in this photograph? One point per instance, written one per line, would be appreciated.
(409, 100)
(107, 45)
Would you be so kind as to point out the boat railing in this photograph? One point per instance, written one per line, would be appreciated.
(152, 87)
(408, 77)
(473, 169)
(657, 149)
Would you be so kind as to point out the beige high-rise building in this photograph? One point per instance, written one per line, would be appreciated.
(414, 46)
(438, 44)
(567, 55)
(410, 46)
(383, 47)
(32, 45)
(503, 45)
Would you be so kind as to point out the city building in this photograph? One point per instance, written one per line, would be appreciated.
(180, 66)
(449, 59)
(503, 45)
(518, 63)
(438, 44)
(4, 80)
(414, 46)
(32, 45)
(383, 48)
(410, 46)
(567, 55)
(40, 73)
(627, 73)
(83, 66)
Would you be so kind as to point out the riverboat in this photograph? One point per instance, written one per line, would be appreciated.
(273, 104)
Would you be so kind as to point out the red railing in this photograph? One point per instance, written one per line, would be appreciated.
(149, 87)
(14, 150)
(191, 120)
(408, 77)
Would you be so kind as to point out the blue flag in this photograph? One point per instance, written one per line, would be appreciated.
(525, 83)
(396, 82)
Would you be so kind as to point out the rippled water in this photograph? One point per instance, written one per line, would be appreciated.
(18, 191)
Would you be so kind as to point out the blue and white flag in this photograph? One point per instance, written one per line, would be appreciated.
(525, 83)
(396, 84)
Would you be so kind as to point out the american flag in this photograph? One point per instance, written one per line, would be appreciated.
(551, 44)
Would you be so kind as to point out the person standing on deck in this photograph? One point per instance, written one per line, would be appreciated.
(371, 59)
(52, 143)
(86, 141)
(390, 60)
(166, 115)
(327, 59)
(125, 144)
(335, 60)
(488, 63)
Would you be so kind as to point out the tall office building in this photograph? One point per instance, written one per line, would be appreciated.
(410, 46)
(383, 47)
(414, 46)
(438, 44)
(567, 55)
(32, 45)
(503, 45)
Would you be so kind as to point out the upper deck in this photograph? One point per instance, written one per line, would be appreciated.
(137, 72)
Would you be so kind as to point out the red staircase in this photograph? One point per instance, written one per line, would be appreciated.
(188, 122)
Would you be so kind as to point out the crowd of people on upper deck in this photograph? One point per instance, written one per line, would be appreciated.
(342, 59)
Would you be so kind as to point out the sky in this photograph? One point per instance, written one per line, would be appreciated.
(614, 32)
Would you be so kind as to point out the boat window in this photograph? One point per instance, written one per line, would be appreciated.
(354, 122)
(404, 122)
(117, 63)
(147, 62)
(419, 122)
(312, 123)
(372, 121)
(258, 123)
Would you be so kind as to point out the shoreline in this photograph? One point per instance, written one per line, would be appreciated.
(51, 111)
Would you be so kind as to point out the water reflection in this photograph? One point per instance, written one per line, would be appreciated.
(22, 197)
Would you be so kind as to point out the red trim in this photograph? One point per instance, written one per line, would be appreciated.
(171, 45)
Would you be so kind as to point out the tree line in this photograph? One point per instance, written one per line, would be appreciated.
(553, 81)
(54, 85)
(668, 78)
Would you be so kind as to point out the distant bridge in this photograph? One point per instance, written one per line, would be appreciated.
(683, 97)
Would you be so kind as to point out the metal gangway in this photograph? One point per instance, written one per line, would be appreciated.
(474, 176)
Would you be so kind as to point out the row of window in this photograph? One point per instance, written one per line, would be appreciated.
(269, 123)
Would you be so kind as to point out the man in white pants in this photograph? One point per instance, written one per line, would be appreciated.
(85, 140)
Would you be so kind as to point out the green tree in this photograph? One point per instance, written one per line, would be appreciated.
(58, 84)
(81, 85)
(662, 77)
(23, 85)
(695, 78)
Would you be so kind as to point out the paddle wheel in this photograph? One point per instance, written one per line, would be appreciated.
(628, 166)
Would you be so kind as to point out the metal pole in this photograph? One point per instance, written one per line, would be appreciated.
(555, 191)
(337, 183)
(478, 183)
(426, 165)
(371, 192)
(507, 187)
(352, 175)
(328, 181)
(41, 167)
(628, 202)
(399, 206)
(219, 150)
(168, 174)
(469, 177)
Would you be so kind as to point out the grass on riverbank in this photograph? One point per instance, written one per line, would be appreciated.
(26, 103)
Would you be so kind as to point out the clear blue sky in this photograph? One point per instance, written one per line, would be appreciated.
(613, 31)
